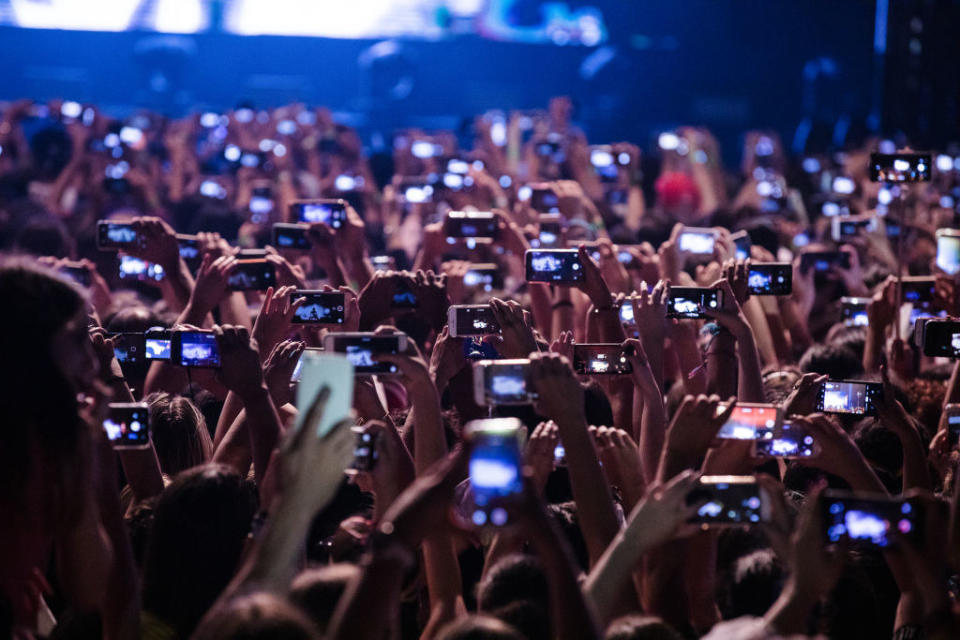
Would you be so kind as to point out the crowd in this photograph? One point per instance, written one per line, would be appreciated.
(542, 464)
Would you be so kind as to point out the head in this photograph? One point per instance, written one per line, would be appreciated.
(200, 524)
(317, 591)
(678, 195)
(640, 628)
(515, 591)
(479, 627)
(753, 584)
(258, 616)
(48, 359)
(179, 433)
(836, 361)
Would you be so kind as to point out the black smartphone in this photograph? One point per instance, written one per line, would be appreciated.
(941, 338)
(556, 266)
(332, 213)
(157, 343)
(544, 200)
(112, 236)
(551, 230)
(692, 302)
(365, 453)
(471, 320)
(869, 519)
(850, 397)
(920, 291)
(319, 307)
(743, 244)
(128, 425)
(900, 167)
(129, 347)
(136, 269)
(194, 349)
(256, 274)
(952, 413)
(770, 279)
(822, 261)
(485, 276)
(600, 359)
(791, 441)
(403, 296)
(361, 350)
(290, 236)
(854, 311)
(481, 225)
(729, 501)
(79, 275)
(496, 464)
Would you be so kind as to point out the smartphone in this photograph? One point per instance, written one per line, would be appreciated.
(362, 348)
(255, 274)
(750, 420)
(128, 347)
(743, 244)
(291, 236)
(544, 200)
(320, 307)
(919, 291)
(319, 370)
(832, 208)
(332, 213)
(365, 453)
(556, 266)
(730, 501)
(850, 397)
(952, 413)
(79, 275)
(112, 236)
(626, 314)
(496, 464)
(854, 311)
(298, 368)
(502, 382)
(900, 167)
(600, 359)
(403, 296)
(792, 441)
(189, 248)
(822, 261)
(940, 338)
(551, 230)
(194, 349)
(383, 263)
(483, 275)
(697, 242)
(471, 320)
(156, 344)
(128, 425)
(136, 269)
(948, 251)
(418, 193)
(869, 519)
(846, 229)
(477, 225)
(770, 279)
(692, 302)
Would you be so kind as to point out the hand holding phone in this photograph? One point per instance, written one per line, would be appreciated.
(128, 425)
(693, 302)
(502, 382)
(729, 501)
(554, 266)
(496, 469)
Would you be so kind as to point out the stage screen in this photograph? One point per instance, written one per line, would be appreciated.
(528, 21)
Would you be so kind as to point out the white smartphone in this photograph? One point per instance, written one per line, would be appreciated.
(502, 382)
(471, 320)
(319, 370)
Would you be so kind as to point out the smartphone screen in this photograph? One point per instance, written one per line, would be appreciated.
(941, 338)
(600, 359)
(472, 320)
(291, 236)
(544, 200)
(361, 350)
(128, 425)
(748, 421)
(730, 500)
(502, 382)
(194, 349)
(330, 212)
(849, 397)
(461, 224)
(495, 468)
(364, 450)
(116, 235)
(790, 441)
(484, 276)
(823, 261)
(128, 347)
(320, 307)
(854, 311)
(319, 370)
(157, 344)
(770, 279)
(136, 269)
(868, 519)
(77, 274)
(557, 266)
(697, 242)
(948, 253)
(691, 302)
(252, 275)
(953, 424)
(920, 291)
(900, 167)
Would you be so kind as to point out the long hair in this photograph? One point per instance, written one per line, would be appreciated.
(42, 432)
(179, 433)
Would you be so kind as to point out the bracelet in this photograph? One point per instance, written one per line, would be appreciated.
(562, 303)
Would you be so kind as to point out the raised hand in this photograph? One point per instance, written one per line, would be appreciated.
(158, 242)
(393, 471)
(620, 457)
(695, 425)
(274, 318)
(539, 453)
(563, 345)
(278, 369)
(650, 310)
(559, 394)
(211, 284)
(240, 370)
(593, 283)
(805, 395)
(516, 333)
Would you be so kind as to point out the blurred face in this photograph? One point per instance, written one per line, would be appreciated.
(72, 351)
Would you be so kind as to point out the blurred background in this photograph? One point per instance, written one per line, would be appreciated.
(822, 73)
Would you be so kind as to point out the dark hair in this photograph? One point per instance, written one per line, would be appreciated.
(179, 433)
(317, 591)
(254, 617)
(479, 627)
(638, 627)
(515, 590)
(752, 586)
(836, 361)
(200, 524)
